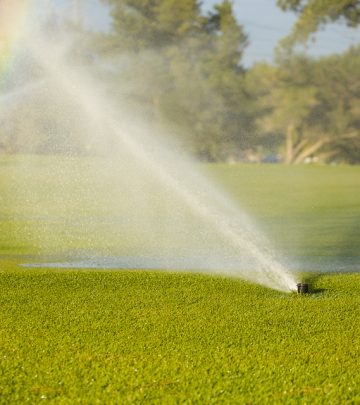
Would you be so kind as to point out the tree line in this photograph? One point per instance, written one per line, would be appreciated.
(190, 68)
(182, 68)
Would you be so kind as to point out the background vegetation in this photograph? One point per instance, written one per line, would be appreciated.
(183, 70)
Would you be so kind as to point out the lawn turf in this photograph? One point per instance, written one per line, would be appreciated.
(154, 337)
(133, 337)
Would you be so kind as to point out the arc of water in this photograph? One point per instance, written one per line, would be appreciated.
(268, 271)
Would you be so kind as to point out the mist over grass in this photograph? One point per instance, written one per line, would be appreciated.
(55, 206)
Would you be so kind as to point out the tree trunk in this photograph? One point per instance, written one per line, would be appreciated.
(289, 144)
(310, 150)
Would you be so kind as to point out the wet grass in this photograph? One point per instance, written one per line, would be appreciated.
(149, 337)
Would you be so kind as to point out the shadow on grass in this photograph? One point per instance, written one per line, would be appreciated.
(312, 279)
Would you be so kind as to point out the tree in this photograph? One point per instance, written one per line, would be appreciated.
(312, 105)
(185, 68)
(208, 79)
(144, 24)
(338, 80)
(315, 13)
(287, 101)
(334, 122)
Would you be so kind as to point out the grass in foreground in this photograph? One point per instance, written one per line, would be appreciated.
(117, 337)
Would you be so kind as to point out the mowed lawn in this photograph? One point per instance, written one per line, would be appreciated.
(154, 337)
(305, 210)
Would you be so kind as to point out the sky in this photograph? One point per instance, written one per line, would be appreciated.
(264, 23)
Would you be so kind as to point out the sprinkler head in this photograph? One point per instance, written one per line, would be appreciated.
(302, 288)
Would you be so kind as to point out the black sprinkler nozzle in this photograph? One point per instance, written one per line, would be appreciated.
(302, 288)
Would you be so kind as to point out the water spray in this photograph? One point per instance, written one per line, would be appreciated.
(116, 129)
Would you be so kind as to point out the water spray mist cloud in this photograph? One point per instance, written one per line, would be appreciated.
(212, 226)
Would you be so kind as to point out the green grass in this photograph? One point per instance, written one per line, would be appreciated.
(306, 210)
(151, 337)
(56, 204)
(118, 337)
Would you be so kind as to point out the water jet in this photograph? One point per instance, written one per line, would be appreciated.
(78, 115)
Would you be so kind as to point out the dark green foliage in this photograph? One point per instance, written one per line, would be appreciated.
(189, 66)
(144, 24)
(312, 104)
(193, 84)
(181, 73)
(337, 115)
(314, 13)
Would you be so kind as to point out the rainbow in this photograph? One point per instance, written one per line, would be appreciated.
(13, 19)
